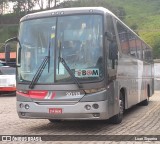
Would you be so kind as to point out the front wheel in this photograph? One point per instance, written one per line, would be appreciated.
(118, 117)
(54, 121)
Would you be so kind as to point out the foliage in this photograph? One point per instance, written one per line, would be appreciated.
(143, 16)
(7, 32)
(23, 5)
(119, 11)
(3, 6)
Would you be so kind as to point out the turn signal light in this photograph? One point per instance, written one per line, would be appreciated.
(94, 90)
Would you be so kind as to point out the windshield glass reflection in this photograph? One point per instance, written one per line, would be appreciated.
(36, 37)
(80, 45)
(78, 39)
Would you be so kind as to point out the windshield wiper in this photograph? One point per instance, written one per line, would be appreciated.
(39, 72)
(69, 71)
(41, 68)
(60, 47)
(49, 47)
(61, 59)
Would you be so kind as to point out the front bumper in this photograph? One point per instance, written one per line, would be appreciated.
(69, 112)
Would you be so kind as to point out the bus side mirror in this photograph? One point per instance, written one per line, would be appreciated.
(12, 39)
(113, 50)
(8, 48)
(109, 36)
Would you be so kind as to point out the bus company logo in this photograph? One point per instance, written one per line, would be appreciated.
(50, 95)
(87, 72)
(6, 138)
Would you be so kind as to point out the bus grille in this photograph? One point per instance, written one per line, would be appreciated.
(56, 102)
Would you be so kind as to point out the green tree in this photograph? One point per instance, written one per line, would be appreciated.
(156, 48)
(40, 3)
(23, 5)
(3, 6)
(50, 3)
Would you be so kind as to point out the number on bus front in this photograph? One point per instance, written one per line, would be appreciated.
(73, 94)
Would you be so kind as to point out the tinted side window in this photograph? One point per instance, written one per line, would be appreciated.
(144, 49)
(148, 54)
(123, 37)
(139, 48)
(132, 44)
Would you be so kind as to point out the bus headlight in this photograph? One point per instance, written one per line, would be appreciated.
(21, 105)
(95, 106)
(88, 107)
(26, 106)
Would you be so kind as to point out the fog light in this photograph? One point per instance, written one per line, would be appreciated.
(26, 106)
(96, 114)
(88, 107)
(23, 114)
(95, 106)
(21, 105)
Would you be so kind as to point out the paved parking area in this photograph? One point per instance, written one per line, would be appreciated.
(139, 120)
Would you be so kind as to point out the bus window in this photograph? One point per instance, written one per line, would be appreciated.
(132, 44)
(144, 49)
(148, 54)
(123, 37)
(139, 48)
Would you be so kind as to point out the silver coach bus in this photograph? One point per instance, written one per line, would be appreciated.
(80, 64)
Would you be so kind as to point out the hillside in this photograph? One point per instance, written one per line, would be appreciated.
(143, 16)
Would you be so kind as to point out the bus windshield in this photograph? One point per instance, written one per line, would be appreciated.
(78, 39)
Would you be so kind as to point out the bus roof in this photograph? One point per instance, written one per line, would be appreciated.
(66, 11)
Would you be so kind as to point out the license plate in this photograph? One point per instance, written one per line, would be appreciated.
(55, 110)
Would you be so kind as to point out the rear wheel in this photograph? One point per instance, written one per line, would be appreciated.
(146, 101)
(118, 117)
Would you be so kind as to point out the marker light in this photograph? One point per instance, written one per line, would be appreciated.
(96, 114)
(23, 114)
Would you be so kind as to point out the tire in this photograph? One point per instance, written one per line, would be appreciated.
(117, 119)
(146, 101)
(54, 121)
